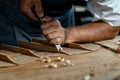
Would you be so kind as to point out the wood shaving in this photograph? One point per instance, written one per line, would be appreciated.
(53, 65)
(87, 77)
(67, 62)
(61, 59)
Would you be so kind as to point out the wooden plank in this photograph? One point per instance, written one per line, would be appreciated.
(39, 40)
(86, 46)
(103, 64)
(19, 49)
(37, 46)
(6, 58)
(72, 51)
(111, 44)
(4, 64)
(18, 57)
(42, 47)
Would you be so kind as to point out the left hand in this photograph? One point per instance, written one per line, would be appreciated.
(26, 8)
(53, 31)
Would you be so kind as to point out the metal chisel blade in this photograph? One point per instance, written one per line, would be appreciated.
(58, 47)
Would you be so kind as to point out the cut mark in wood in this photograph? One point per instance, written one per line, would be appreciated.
(20, 50)
(86, 46)
(77, 46)
(111, 44)
(7, 58)
(37, 46)
(39, 40)
(42, 47)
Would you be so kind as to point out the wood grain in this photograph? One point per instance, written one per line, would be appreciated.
(37, 46)
(111, 44)
(85, 46)
(19, 49)
(6, 58)
(39, 40)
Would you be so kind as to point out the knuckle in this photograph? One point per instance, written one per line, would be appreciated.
(42, 26)
(54, 21)
(49, 36)
(44, 32)
(52, 42)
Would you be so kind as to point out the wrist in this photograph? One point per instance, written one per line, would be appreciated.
(69, 35)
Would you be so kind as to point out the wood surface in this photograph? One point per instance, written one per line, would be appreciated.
(39, 40)
(85, 46)
(6, 58)
(19, 49)
(48, 48)
(102, 64)
(16, 58)
(37, 46)
(4, 64)
(111, 44)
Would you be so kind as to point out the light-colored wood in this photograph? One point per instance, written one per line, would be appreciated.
(72, 51)
(102, 64)
(85, 46)
(118, 49)
(111, 44)
(46, 54)
(6, 58)
(4, 64)
(18, 58)
(42, 47)
(19, 49)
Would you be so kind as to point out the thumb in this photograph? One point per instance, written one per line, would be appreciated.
(38, 8)
(45, 19)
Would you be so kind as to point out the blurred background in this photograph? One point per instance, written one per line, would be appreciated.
(82, 15)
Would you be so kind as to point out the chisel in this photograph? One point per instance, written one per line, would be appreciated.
(59, 48)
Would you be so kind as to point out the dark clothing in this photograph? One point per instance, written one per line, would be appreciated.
(15, 26)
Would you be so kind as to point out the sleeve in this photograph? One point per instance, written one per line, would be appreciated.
(105, 10)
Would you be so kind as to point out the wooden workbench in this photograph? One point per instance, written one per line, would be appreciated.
(102, 65)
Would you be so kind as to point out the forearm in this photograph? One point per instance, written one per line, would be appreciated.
(96, 31)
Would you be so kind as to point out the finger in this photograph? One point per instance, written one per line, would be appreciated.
(57, 40)
(31, 15)
(53, 35)
(49, 30)
(45, 19)
(38, 8)
(51, 22)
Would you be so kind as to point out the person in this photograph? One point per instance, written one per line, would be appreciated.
(105, 25)
(14, 26)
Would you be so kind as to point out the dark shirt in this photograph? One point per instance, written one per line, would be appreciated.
(11, 19)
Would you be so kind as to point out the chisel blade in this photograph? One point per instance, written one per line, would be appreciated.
(59, 48)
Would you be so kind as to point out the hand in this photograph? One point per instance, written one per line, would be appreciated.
(53, 31)
(26, 8)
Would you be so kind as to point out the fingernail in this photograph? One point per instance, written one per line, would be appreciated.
(59, 40)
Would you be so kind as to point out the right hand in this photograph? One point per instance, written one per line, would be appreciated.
(26, 8)
(53, 30)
